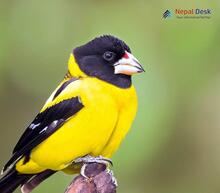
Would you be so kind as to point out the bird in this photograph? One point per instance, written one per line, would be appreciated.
(84, 120)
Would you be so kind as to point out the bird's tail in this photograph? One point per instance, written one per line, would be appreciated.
(13, 180)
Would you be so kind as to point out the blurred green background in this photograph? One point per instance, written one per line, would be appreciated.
(174, 144)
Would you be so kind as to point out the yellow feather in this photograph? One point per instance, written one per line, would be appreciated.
(97, 129)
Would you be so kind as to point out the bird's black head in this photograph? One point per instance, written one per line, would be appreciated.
(109, 59)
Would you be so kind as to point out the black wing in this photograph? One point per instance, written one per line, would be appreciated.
(45, 124)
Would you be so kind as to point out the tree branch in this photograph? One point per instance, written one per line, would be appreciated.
(100, 180)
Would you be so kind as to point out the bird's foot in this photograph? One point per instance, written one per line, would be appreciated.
(89, 160)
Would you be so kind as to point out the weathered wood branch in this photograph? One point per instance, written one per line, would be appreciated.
(100, 180)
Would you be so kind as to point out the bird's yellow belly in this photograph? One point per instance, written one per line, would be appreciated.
(87, 132)
(97, 129)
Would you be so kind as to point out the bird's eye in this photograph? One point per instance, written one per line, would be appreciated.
(109, 56)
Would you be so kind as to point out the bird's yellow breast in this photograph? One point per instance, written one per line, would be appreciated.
(97, 129)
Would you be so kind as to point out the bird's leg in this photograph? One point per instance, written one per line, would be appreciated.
(86, 160)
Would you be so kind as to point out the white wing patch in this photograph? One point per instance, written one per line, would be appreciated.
(54, 123)
(45, 128)
(33, 126)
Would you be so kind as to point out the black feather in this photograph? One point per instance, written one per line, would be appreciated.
(47, 123)
(90, 59)
(12, 180)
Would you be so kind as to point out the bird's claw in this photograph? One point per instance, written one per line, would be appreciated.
(82, 171)
(114, 180)
(89, 159)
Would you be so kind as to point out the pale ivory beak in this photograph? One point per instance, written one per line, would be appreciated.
(128, 65)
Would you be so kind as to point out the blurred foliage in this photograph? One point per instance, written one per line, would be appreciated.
(174, 143)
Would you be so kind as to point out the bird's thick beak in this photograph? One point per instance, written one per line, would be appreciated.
(128, 65)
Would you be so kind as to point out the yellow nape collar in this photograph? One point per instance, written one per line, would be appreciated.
(73, 67)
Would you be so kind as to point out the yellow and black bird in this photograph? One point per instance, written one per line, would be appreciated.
(86, 117)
